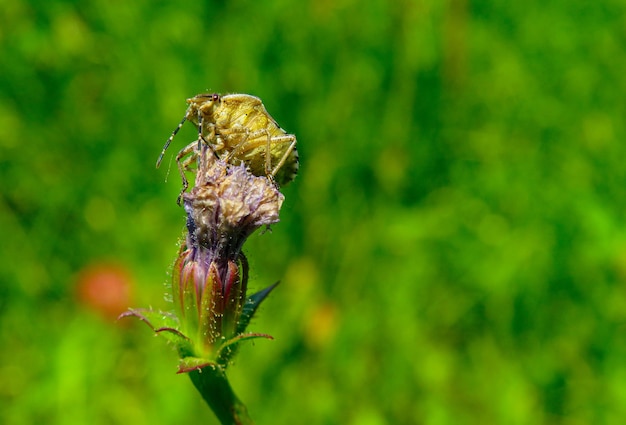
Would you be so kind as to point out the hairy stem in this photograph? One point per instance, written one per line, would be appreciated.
(212, 383)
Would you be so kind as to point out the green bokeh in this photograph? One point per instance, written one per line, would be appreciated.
(452, 252)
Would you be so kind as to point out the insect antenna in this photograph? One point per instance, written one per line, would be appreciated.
(167, 144)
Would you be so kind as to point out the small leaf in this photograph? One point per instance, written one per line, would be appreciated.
(251, 306)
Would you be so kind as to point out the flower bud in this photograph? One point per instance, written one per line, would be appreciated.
(210, 275)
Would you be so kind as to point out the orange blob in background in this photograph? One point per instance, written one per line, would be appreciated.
(105, 289)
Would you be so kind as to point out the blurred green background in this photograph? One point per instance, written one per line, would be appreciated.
(452, 252)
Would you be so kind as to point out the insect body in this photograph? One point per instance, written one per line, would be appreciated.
(238, 128)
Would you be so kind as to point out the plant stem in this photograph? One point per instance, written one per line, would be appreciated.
(216, 391)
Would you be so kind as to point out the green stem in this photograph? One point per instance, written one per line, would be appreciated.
(216, 391)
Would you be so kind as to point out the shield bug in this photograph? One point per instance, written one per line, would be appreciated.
(238, 128)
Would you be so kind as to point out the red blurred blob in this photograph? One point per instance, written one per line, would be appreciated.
(105, 289)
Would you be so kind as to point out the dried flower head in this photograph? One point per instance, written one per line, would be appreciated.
(226, 206)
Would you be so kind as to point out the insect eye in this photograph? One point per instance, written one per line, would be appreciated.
(215, 97)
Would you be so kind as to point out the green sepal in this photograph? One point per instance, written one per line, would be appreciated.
(163, 324)
(229, 348)
(189, 364)
(154, 319)
(251, 306)
(211, 311)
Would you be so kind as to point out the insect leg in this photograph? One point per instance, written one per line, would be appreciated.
(167, 144)
(290, 149)
(268, 154)
(201, 137)
(184, 165)
(238, 147)
(257, 141)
